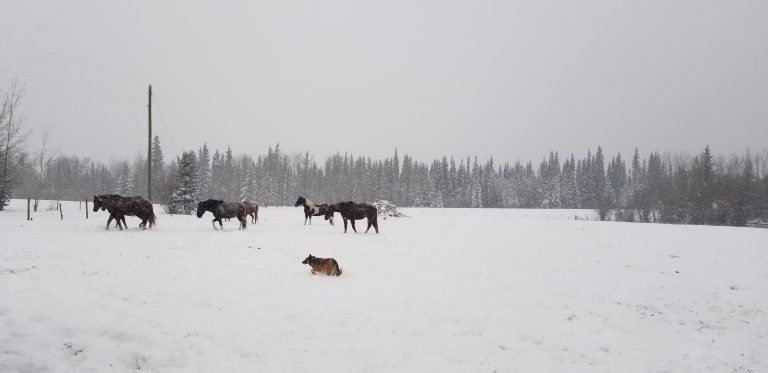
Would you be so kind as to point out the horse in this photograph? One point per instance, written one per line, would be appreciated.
(105, 202)
(221, 209)
(119, 206)
(354, 211)
(310, 209)
(252, 210)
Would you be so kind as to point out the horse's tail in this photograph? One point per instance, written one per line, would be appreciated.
(373, 211)
(242, 216)
(152, 216)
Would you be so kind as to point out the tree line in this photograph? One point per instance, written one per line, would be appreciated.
(668, 188)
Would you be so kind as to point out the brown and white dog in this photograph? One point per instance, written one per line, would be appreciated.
(329, 266)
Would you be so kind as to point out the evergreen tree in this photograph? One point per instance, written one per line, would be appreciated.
(158, 172)
(204, 173)
(249, 184)
(229, 187)
(183, 199)
(124, 185)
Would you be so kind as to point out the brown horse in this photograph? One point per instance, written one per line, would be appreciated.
(252, 210)
(222, 210)
(119, 206)
(354, 211)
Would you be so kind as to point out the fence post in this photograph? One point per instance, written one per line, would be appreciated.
(28, 202)
(86, 208)
(61, 211)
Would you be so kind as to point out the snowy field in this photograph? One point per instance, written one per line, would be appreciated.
(448, 290)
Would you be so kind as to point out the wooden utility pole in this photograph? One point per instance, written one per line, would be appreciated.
(149, 147)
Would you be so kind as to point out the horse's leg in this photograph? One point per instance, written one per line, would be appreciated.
(221, 225)
(305, 219)
(117, 221)
(310, 219)
(331, 220)
(345, 224)
(213, 223)
(109, 221)
(369, 226)
(353, 225)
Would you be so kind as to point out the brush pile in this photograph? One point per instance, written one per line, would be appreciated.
(387, 209)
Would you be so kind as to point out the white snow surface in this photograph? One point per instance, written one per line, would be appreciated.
(450, 290)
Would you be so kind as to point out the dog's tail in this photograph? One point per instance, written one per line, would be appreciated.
(338, 268)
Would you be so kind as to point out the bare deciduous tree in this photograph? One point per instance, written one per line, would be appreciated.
(44, 159)
(12, 136)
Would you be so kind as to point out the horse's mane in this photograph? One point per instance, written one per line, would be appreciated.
(211, 202)
(312, 207)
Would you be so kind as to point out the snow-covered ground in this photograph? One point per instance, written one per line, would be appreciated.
(447, 290)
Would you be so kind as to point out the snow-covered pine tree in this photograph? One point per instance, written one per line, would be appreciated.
(248, 186)
(124, 185)
(229, 188)
(204, 173)
(600, 185)
(568, 189)
(158, 172)
(183, 199)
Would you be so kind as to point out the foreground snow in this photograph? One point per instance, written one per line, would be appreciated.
(448, 290)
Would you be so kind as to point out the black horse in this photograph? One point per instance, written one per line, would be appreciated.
(354, 211)
(105, 202)
(310, 209)
(252, 210)
(119, 206)
(222, 210)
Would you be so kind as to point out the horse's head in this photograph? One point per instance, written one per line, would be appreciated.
(207, 205)
(97, 203)
(329, 211)
(300, 201)
(308, 259)
(200, 209)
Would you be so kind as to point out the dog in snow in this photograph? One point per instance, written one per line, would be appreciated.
(329, 266)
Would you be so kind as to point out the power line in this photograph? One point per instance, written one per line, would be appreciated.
(87, 91)
(164, 125)
(71, 59)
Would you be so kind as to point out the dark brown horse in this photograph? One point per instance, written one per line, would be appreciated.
(354, 211)
(221, 210)
(104, 202)
(252, 210)
(119, 206)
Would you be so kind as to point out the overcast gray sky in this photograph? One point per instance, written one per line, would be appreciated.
(504, 78)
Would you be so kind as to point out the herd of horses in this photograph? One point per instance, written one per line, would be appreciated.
(119, 206)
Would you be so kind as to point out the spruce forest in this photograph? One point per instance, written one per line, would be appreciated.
(682, 189)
